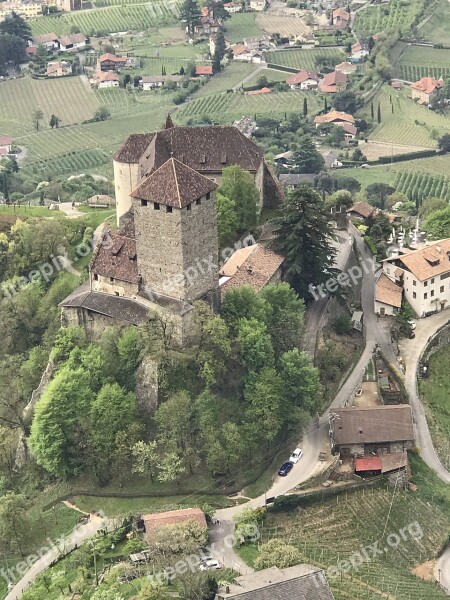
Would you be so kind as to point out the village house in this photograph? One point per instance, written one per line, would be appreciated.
(255, 265)
(69, 5)
(426, 89)
(350, 130)
(49, 40)
(291, 181)
(258, 5)
(6, 143)
(105, 79)
(384, 429)
(333, 83)
(359, 51)
(59, 69)
(332, 160)
(261, 42)
(111, 62)
(335, 117)
(423, 275)
(207, 24)
(72, 43)
(204, 71)
(152, 82)
(347, 68)
(340, 18)
(388, 296)
(362, 211)
(304, 80)
(302, 582)
(240, 52)
(153, 523)
(232, 7)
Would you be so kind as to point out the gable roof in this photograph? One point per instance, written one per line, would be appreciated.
(45, 38)
(362, 208)
(301, 77)
(334, 115)
(348, 128)
(203, 70)
(238, 49)
(5, 140)
(341, 14)
(253, 265)
(432, 260)
(74, 38)
(302, 582)
(334, 78)
(174, 184)
(105, 76)
(133, 148)
(117, 258)
(373, 425)
(387, 292)
(427, 85)
(346, 67)
(113, 58)
(264, 90)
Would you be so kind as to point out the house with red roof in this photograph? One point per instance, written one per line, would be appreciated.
(304, 80)
(340, 18)
(203, 71)
(105, 79)
(333, 83)
(111, 62)
(6, 143)
(426, 89)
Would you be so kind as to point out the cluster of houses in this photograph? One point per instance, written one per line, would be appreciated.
(30, 9)
(340, 119)
(64, 43)
(6, 144)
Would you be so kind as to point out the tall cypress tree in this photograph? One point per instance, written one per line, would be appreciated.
(305, 107)
(379, 113)
(372, 111)
(190, 14)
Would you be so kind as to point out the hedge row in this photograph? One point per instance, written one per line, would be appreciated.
(407, 156)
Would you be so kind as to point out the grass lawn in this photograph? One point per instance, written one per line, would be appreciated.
(437, 29)
(29, 211)
(242, 25)
(272, 76)
(416, 62)
(331, 530)
(435, 391)
(366, 177)
(231, 75)
(305, 59)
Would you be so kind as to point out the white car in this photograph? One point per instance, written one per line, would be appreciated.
(296, 455)
(210, 563)
(412, 324)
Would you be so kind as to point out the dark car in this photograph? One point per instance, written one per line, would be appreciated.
(284, 469)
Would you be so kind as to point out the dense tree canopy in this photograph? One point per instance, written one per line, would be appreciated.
(239, 186)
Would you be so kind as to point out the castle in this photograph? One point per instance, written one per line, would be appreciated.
(165, 254)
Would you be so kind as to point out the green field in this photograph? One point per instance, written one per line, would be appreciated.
(435, 392)
(332, 530)
(382, 17)
(272, 76)
(305, 59)
(110, 19)
(70, 98)
(233, 74)
(416, 62)
(242, 25)
(406, 122)
(437, 29)
(418, 186)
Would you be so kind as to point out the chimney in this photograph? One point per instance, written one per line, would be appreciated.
(250, 269)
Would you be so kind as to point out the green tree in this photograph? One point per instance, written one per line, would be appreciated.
(346, 101)
(145, 458)
(255, 345)
(242, 303)
(171, 468)
(107, 593)
(122, 462)
(304, 237)
(54, 121)
(239, 185)
(189, 14)
(276, 553)
(15, 25)
(14, 521)
(197, 586)
(430, 205)
(264, 395)
(444, 142)
(437, 224)
(379, 113)
(149, 592)
(219, 51)
(227, 220)
(306, 158)
(377, 193)
(102, 114)
(38, 115)
(305, 107)
(214, 351)
(184, 538)
(358, 155)
(174, 419)
(348, 183)
(341, 198)
(301, 382)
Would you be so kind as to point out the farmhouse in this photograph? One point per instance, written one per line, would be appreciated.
(302, 582)
(293, 180)
(388, 296)
(255, 265)
(350, 130)
(304, 80)
(49, 40)
(424, 276)
(336, 117)
(232, 7)
(380, 430)
(72, 43)
(6, 143)
(359, 51)
(207, 24)
(261, 42)
(333, 82)
(362, 211)
(153, 523)
(203, 71)
(151, 82)
(105, 79)
(340, 18)
(111, 62)
(346, 67)
(258, 5)
(59, 69)
(426, 89)
(240, 52)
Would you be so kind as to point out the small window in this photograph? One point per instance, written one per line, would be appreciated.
(198, 202)
(169, 209)
(425, 296)
(111, 279)
(144, 203)
(445, 275)
(432, 293)
(441, 289)
(116, 293)
(156, 205)
(414, 282)
(188, 207)
(95, 277)
(425, 284)
(414, 294)
(208, 195)
(432, 281)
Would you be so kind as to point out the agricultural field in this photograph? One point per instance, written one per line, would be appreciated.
(286, 26)
(242, 25)
(110, 19)
(331, 530)
(418, 186)
(437, 29)
(272, 76)
(232, 75)
(382, 17)
(72, 162)
(405, 122)
(71, 99)
(416, 62)
(305, 59)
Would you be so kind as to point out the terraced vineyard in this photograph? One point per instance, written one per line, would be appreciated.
(72, 162)
(418, 186)
(403, 121)
(332, 530)
(383, 17)
(416, 62)
(110, 19)
(272, 76)
(229, 77)
(71, 99)
(437, 28)
(211, 106)
(305, 59)
(242, 25)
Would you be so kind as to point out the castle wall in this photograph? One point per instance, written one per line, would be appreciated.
(126, 178)
(115, 287)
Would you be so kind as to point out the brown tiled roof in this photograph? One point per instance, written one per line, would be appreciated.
(346, 66)
(45, 37)
(238, 49)
(362, 208)
(105, 76)
(254, 268)
(334, 115)
(349, 128)
(113, 58)
(74, 38)
(174, 184)
(132, 150)
(334, 78)
(427, 85)
(155, 521)
(203, 70)
(264, 90)
(340, 12)
(116, 259)
(432, 260)
(301, 77)
(372, 425)
(387, 292)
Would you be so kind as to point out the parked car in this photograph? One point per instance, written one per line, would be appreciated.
(412, 324)
(296, 455)
(210, 563)
(285, 468)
